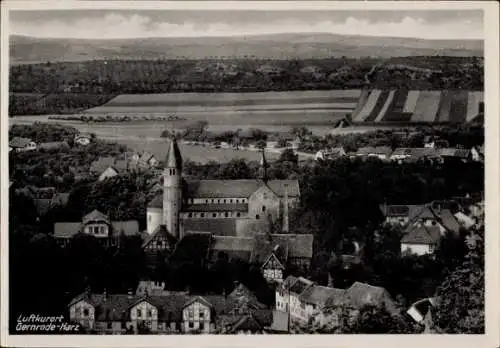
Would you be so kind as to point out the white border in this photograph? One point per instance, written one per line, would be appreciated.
(490, 339)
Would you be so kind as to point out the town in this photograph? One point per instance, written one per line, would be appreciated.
(135, 243)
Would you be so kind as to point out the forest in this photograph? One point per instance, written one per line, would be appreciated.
(69, 87)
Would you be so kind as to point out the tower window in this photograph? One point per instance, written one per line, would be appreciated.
(257, 217)
(237, 201)
(173, 171)
(226, 214)
(218, 201)
(263, 208)
(206, 200)
(230, 201)
(212, 200)
(214, 214)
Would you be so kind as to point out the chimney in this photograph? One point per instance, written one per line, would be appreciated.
(285, 211)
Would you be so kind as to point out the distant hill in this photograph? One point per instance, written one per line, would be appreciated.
(25, 49)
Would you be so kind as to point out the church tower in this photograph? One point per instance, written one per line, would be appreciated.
(263, 166)
(172, 189)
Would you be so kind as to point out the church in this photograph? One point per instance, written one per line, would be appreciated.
(238, 208)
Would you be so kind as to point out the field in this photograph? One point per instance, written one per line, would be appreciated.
(229, 111)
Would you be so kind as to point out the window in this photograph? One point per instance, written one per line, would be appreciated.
(212, 200)
(78, 311)
(202, 214)
(231, 201)
(191, 325)
(191, 313)
(226, 214)
(139, 313)
(237, 201)
(149, 314)
(110, 325)
(173, 171)
(202, 326)
(190, 214)
(218, 201)
(257, 217)
(263, 208)
(224, 201)
(238, 214)
(214, 215)
(206, 200)
(159, 244)
(85, 312)
(201, 315)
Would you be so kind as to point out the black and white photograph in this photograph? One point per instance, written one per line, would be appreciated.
(196, 171)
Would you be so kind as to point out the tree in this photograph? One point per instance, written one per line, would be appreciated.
(289, 156)
(460, 306)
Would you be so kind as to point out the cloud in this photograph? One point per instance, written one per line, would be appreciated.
(114, 25)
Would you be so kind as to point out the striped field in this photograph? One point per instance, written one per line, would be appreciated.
(403, 106)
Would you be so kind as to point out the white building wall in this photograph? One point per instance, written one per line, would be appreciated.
(418, 249)
(154, 218)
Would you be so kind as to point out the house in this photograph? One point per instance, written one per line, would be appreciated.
(271, 252)
(108, 167)
(83, 139)
(170, 312)
(400, 214)
(381, 152)
(421, 240)
(98, 225)
(19, 144)
(330, 154)
(419, 309)
(98, 166)
(53, 145)
(148, 159)
(401, 155)
(309, 303)
(110, 172)
(455, 154)
(435, 216)
(43, 205)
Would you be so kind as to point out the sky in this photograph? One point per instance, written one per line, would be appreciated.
(119, 24)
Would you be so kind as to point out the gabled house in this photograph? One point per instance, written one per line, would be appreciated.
(20, 144)
(330, 154)
(455, 154)
(159, 240)
(82, 139)
(381, 152)
(288, 297)
(421, 240)
(400, 214)
(98, 225)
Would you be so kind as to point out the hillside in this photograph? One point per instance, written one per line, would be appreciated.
(413, 106)
(301, 46)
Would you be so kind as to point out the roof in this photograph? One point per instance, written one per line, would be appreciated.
(95, 215)
(449, 221)
(66, 229)
(129, 228)
(19, 142)
(232, 243)
(238, 207)
(159, 232)
(221, 227)
(192, 247)
(52, 144)
(361, 294)
(242, 188)
(422, 235)
(157, 202)
(319, 295)
(300, 285)
(266, 245)
(381, 150)
(289, 281)
(174, 158)
(42, 205)
(102, 164)
(121, 165)
(401, 210)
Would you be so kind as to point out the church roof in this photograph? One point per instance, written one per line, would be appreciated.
(242, 188)
(174, 158)
(221, 227)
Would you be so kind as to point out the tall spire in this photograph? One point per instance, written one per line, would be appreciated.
(174, 158)
(263, 165)
(285, 211)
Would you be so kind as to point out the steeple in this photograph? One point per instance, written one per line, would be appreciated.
(174, 158)
(285, 211)
(263, 165)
